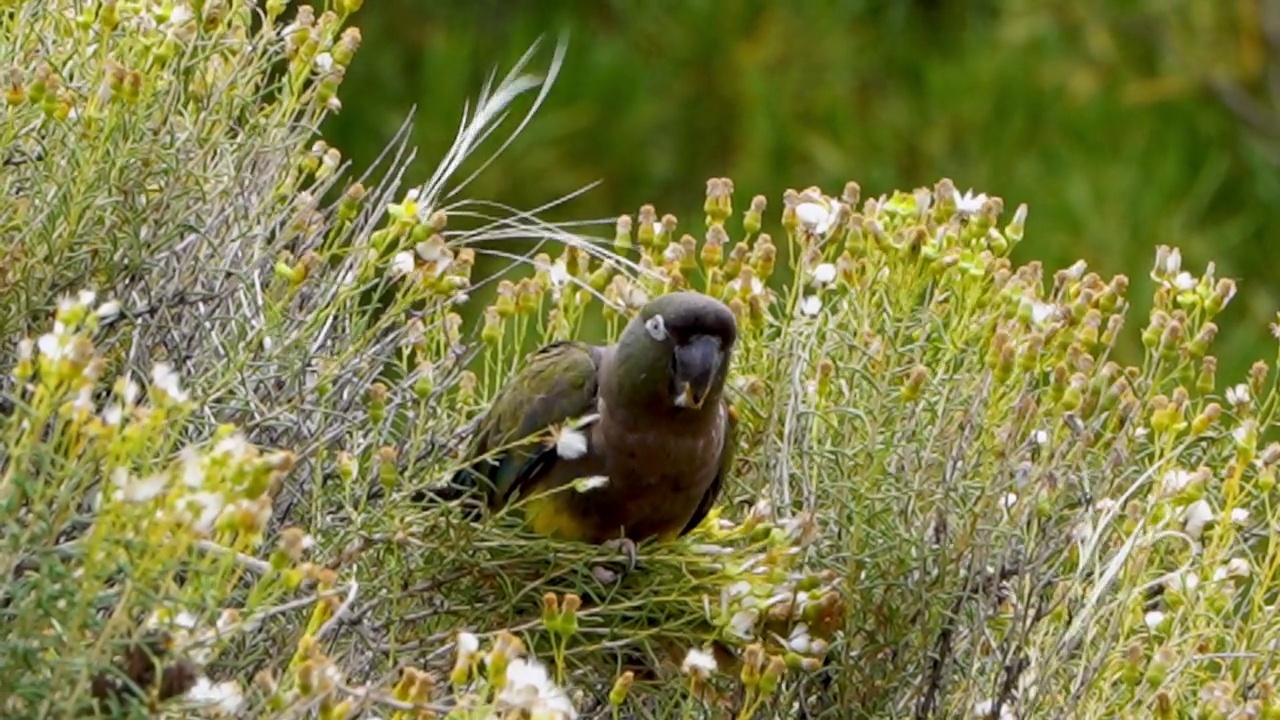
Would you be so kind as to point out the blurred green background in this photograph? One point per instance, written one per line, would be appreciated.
(1122, 123)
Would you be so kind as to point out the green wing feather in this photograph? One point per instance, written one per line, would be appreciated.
(558, 383)
(727, 455)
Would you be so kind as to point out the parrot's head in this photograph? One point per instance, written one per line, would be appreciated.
(677, 350)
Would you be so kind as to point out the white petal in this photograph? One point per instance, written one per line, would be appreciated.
(571, 444)
(108, 310)
(699, 662)
(165, 379)
(824, 274)
(1197, 515)
(468, 644)
(813, 216)
(224, 698)
(402, 264)
(588, 484)
(811, 305)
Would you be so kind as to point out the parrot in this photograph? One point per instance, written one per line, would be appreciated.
(640, 429)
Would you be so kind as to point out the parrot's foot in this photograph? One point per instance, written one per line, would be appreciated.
(627, 548)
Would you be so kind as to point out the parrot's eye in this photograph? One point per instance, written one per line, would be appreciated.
(656, 327)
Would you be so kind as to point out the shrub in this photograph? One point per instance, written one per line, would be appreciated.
(949, 499)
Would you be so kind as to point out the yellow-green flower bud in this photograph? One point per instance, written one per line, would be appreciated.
(1206, 380)
(753, 218)
(764, 257)
(505, 304)
(772, 675)
(491, 332)
(622, 233)
(915, 380)
(1258, 377)
(621, 686)
(718, 205)
(713, 247)
(646, 219)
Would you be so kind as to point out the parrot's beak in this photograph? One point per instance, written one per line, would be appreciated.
(697, 363)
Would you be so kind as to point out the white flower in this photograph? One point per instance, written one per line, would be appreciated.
(743, 622)
(468, 644)
(234, 447)
(324, 61)
(588, 484)
(657, 227)
(811, 306)
(208, 505)
(1238, 568)
(1240, 516)
(224, 698)
(1153, 619)
(180, 15)
(735, 286)
(108, 310)
(85, 298)
(799, 640)
(571, 444)
(1175, 481)
(559, 273)
(140, 490)
(1184, 582)
(54, 345)
(531, 690)
(969, 204)
(1238, 394)
(1041, 313)
(739, 589)
(815, 217)
(824, 274)
(192, 468)
(1245, 435)
(1009, 500)
(165, 379)
(1197, 515)
(402, 264)
(1040, 437)
(699, 662)
(1184, 282)
(84, 399)
(113, 414)
(1173, 262)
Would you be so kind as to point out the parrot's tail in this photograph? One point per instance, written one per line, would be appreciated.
(461, 487)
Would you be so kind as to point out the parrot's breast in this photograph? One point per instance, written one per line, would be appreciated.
(657, 476)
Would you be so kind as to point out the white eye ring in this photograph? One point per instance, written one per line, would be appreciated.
(657, 328)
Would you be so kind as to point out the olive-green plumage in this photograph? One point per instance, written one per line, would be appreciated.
(651, 411)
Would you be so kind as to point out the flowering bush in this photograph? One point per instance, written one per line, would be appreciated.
(227, 394)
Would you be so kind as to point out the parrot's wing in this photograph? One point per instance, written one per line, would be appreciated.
(557, 384)
(727, 454)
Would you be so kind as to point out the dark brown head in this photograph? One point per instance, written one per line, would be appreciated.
(675, 353)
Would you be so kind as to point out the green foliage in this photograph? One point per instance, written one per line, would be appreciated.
(951, 497)
(1131, 124)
